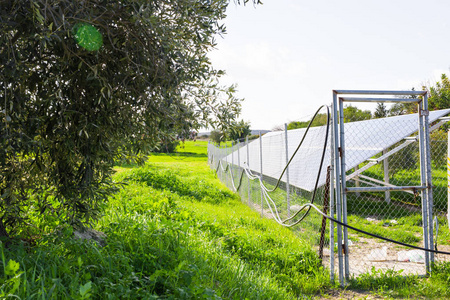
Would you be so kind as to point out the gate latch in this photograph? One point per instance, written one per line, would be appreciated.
(423, 112)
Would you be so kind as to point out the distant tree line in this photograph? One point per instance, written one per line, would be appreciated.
(438, 98)
(236, 131)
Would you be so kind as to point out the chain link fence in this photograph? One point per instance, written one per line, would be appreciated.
(398, 214)
(258, 170)
(254, 168)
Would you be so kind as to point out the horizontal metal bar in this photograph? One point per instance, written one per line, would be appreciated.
(389, 100)
(437, 125)
(372, 184)
(363, 181)
(444, 119)
(369, 92)
(380, 182)
(359, 171)
(383, 188)
(375, 180)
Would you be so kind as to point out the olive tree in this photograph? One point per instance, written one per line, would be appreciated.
(86, 83)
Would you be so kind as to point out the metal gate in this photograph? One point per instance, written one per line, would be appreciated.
(390, 194)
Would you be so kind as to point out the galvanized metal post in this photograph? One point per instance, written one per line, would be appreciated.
(248, 167)
(239, 166)
(344, 193)
(448, 178)
(387, 194)
(338, 186)
(423, 181)
(332, 200)
(232, 166)
(429, 189)
(261, 173)
(287, 172)
(357, 183)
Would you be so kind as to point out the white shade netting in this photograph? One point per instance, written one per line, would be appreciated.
(363, 140)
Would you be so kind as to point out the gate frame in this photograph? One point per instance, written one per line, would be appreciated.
(338, 166)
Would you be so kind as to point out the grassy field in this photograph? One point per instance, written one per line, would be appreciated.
(173, 231)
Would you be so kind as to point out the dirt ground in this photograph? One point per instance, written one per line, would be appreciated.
(347, 294)
(365, 253)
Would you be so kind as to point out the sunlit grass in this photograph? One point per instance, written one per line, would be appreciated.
(174, 231)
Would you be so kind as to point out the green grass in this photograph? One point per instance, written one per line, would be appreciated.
(173, 232)
(404, 208)
(407, 227)
(391, 284)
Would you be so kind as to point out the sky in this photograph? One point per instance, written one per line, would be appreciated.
(286, 56)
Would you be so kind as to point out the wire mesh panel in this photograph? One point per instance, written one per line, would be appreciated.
(386, 189)
(258, 170)
(384, 183)
(439, 152)
(396, 215)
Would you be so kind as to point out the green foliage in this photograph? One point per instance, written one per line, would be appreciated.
(253, 137)
(173, 232)
(238, 131)
(383, 280)
(438, 98)
(394, 284)
(85, 83)
(353, 114)
(320, 119)
(438, 147)
(439, 95)
(164, 245)
(399, 109)
(10, 282)
(380, 111)
(217, 136)
(194, 148)
(167, 145)
(406, 231)
(171, 181)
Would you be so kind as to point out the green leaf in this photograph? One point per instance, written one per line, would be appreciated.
(85, 289)
(12, 267)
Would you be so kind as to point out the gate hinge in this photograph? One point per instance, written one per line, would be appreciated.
(340, 151)
(423, 112)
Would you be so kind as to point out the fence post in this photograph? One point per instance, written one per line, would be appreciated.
(387, 194)
(332, 199)
(239, 165)
(448, 178)
(287, 172)
(423, 182)
(248, 166)
(357, 183)
(428, 176)
(261, 173)
(343, 188)
(338, 177)
(232, 166)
